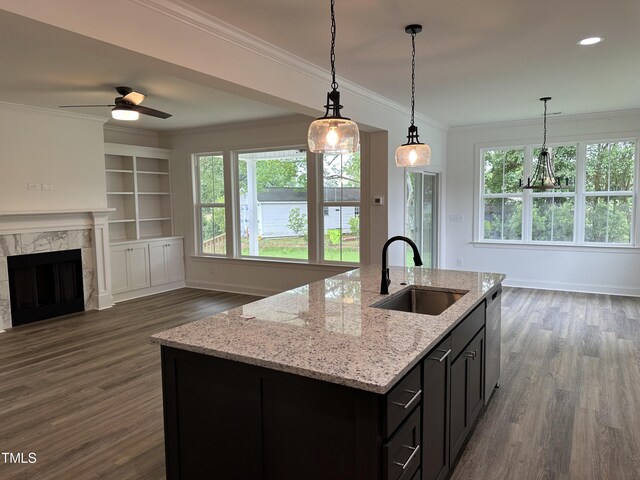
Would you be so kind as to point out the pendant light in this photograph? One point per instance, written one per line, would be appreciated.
(544, 178)
(333, 133)
(413, 153)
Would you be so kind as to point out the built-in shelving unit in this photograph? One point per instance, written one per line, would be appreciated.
(139, 188)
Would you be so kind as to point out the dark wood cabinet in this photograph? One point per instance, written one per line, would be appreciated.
(467, 394)
(226, 419)
(435, 412)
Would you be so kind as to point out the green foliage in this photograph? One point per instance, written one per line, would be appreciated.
(274, 173)
(354, 225)
(298, 223)
(211, 179)
(341, 170)
(333, 236)
(608, 219)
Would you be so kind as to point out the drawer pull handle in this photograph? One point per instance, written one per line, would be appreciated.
(414, 452)
(442, 357)
(470, 354)
(415, 397)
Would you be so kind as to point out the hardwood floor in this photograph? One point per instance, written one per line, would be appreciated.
(84, 392)
(569, 402)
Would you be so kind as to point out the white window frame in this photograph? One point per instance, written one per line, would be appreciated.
(579, 194)
(195, 162)
(315, 210)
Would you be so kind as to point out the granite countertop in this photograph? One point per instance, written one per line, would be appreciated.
(328, 331)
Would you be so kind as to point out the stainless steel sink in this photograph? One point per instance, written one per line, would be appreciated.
(424, 300)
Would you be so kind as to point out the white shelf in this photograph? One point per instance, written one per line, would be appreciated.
(152, 173)
(139, 189)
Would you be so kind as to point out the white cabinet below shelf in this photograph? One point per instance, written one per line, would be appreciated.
(166, 261)
(129, 267)
(144, 267)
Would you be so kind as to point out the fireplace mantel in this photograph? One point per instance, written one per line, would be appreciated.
(34, 230)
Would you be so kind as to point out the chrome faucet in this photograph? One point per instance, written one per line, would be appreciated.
(385, 281)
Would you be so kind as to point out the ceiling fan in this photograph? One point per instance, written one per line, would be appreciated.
(127, 106)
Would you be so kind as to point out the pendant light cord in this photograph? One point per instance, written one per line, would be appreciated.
(334, 84)
(544, 136)
(413, 75)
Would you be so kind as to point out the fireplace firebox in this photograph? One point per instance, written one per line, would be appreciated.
(45, 285)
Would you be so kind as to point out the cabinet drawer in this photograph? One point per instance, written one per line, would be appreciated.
(466, 330)
(402, 453)
(402, 400)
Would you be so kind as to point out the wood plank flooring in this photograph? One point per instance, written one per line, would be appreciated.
(84, 392)
(569, 402)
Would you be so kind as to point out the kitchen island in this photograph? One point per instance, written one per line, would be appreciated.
(316, 382)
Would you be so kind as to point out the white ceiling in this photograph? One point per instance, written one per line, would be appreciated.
(476, 61)
(44, 66)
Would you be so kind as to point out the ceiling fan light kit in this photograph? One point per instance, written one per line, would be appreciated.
(127, 106)
(413, 153)
(333, 133)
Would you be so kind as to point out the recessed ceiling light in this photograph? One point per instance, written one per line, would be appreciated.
(590, 41)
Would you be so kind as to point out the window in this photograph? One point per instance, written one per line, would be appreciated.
(502, 194)
(210, 203)
(609, 186)
(597, 207)
(422, 216)
(273, 204)
(269, 201)
(341, 198)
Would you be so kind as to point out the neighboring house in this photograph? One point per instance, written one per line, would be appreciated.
(274, 206)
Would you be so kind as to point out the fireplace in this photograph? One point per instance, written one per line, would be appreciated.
(45, 285)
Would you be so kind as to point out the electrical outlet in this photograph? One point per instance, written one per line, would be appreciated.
(46, 187)
(212, 270)
(456, 218)
(459, 262)
(33, 186)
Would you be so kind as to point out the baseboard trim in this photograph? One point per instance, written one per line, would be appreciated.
(574, 287)
(234, 288)
(145, 292)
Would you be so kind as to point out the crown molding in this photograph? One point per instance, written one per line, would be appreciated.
(49, 111)
(562, 117)
(195, 18)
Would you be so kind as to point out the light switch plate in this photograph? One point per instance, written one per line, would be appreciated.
(46, 187)
(33, 186)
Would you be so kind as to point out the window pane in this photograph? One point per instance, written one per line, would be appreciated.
(564, 159)
(608, 219)
(341, 177)
(273, 204)
(503, 218)
(342, 235)
(211, 179)
(553, 219)
(214, 239)
(610, 167)
(503, 170)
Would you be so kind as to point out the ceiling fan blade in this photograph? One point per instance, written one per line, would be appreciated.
(152, 112)
(134, 97)
(75, 106)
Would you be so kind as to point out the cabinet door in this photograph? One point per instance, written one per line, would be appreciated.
(174, 255)
(467, 396)
(157, 263)
(435, 413)
(138, 256)
(475, 388)
(119, 269)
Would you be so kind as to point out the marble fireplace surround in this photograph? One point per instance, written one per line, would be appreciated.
(35, 232)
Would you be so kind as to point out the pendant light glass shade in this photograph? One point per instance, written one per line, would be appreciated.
(413, 153)
(333, 133)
